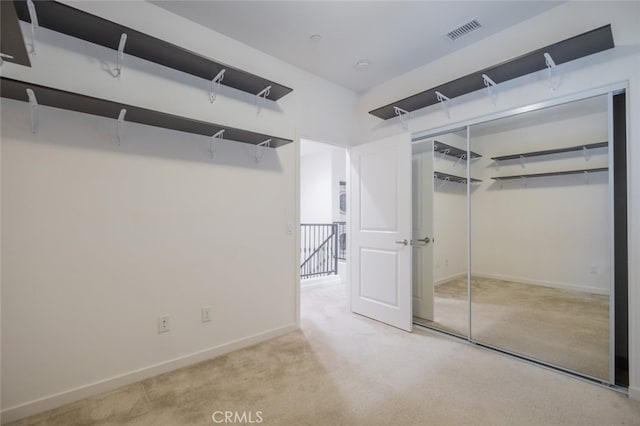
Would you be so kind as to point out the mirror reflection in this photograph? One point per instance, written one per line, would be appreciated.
(541, 236)
(440, 214)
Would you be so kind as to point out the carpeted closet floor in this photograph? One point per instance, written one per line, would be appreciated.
(565, 328)
(344, 369)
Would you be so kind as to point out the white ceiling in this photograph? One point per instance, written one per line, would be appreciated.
(395, 36)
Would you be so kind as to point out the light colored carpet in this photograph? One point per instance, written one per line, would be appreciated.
(565, 328)
(344, 369)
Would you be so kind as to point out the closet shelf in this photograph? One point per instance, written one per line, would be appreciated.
(565, 172)
(11, 40)
(551, 151)
(453, 178)
(76, 23)
(585, 44)
(16, 89)
(452, 151)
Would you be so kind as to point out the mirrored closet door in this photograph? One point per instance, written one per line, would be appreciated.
(440, 262)
(519, 214)
(541, 237)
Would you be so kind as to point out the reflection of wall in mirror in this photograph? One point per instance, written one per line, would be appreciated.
(550, 231)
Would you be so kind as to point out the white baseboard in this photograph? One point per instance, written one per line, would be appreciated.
(320, 281)
(72, 395)
(634, 393)
(449, 278)
(564, 286)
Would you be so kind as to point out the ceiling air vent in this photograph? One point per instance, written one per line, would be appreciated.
(463, 30)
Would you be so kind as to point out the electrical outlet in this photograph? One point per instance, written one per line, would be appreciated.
(206, 313)
(593, 270)
(163, 324)
(446, 262)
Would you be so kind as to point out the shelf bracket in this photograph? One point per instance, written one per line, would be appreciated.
(444, 182)
(260, 153)
(522, 161)
(524, 181)
(33, 106)
(445, 152)
(212, 143)
(586, 176)
(34, 24)
(3, 56)
(215, 85)
(491, 87)
(497, 165)
(120, 125)
(403, 115)
(443, 102)
(120, 57)
(460, 158)
(552, 69)
(585, 151)
(261, 98)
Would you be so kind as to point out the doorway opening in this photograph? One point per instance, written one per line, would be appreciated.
(323, 214)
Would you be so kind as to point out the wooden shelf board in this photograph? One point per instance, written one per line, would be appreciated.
(551, 151)
(15, 89)
(559, 173)
(585, 44)
(76, 23)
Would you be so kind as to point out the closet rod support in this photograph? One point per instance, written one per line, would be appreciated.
(490, 85)
(120, 125)
(460, 158)
(554, 81)
(403, 115)
(34, 24)
(445, 152)
(443, 102)
(444, 182)
(522, 161)
(215, 85)
(33, 106)
(261, 98)
(120, 57)
(260, 153)
(212, 143)
(585, 151)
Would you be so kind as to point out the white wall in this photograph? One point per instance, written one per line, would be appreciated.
(322, 167)
(621, 64)
(98, 241)
(549, 231)
(316, 189)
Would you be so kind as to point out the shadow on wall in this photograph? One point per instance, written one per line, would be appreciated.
(58, 127)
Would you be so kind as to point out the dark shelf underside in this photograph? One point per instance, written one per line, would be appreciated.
(15, 89)
(11, 40)
(76, 23)
(567, 50)
(452, 151)
(551, 151)
(453, 178)
(561, 173)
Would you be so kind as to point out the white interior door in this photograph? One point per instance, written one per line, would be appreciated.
(380, 253)
(422, 237)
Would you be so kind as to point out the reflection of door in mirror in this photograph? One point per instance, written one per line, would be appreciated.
(440, 205)
(541, 236)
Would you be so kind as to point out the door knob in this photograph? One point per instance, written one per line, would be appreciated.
(425, 240)
(404, 242)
